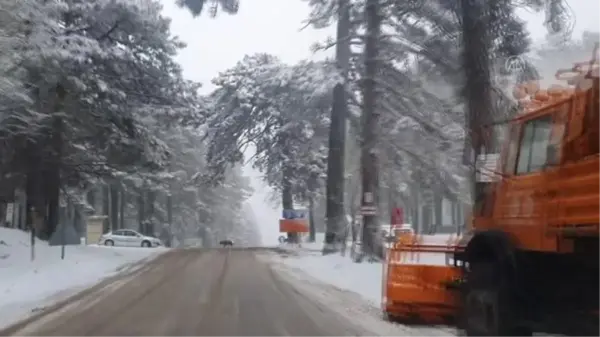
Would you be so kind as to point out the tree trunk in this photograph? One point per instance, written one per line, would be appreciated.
(416, 209)
(114, 205)
(454, 215)
(151, 216)
(311, 219)
(438, 204)
(91, 199)
(369, 160)
(478, 86)
(427, 217)
(334, 213)
(141, 208)
(287, 199)
(391, 195)
(54, 167)
(106, 208)
(122, 205)
(33, 190)
(170, 209)
(52, 178)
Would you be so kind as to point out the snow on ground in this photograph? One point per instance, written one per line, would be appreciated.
(27, 285)
(355, 287)
(361, 278)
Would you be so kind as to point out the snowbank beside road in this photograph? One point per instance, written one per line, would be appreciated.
(352, 289)
(27, 285)
(339, 271)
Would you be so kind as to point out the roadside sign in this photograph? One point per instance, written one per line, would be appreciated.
(293, 226)
(290, 214)
(294, 221)
(397, 216)
(486, 165)
(368, 210)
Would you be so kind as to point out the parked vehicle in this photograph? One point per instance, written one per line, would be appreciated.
(128, 238)
(225, 243)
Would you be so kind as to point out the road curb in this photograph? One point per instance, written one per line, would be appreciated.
(126, 270)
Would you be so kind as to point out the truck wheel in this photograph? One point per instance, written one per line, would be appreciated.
(488, 303)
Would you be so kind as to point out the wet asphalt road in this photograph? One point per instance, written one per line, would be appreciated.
(197, 292)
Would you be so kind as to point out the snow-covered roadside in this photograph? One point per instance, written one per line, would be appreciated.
(339, 271)
(27, 286)
(353, 289)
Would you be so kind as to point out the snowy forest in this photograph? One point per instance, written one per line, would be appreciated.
(98, 118)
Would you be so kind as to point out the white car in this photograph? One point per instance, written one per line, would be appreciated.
(128, 238)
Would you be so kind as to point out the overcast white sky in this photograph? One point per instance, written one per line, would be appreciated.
(272, 26)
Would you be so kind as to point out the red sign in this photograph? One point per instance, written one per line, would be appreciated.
(397, 216)
(293, 226)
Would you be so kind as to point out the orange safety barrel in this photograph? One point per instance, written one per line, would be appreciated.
(420, 278)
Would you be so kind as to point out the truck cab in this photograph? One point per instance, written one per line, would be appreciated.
(548, 192)
(532, 256)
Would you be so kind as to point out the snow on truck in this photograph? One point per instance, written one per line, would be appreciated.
(529, 262)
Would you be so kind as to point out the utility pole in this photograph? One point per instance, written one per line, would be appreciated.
(369, 160)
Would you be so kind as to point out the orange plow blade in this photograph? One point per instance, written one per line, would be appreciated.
(420, 280)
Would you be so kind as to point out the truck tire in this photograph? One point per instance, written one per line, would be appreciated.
(489, 302)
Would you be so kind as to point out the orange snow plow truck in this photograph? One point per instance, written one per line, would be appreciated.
(529, 261)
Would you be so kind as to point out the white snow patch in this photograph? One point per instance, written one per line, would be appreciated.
(27, 286)
(361, 278)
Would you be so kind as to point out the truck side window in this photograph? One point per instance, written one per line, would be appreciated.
(534, 145)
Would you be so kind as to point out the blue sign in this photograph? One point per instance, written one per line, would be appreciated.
(290, 214)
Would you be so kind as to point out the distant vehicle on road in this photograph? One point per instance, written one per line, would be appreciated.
(128, 238)
(226, 243)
